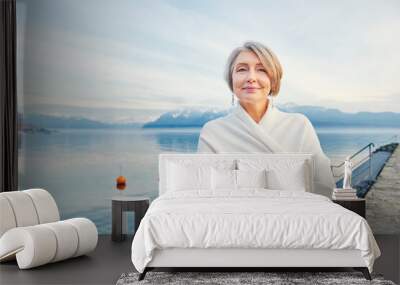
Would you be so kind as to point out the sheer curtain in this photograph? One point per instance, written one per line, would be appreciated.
(8, 98)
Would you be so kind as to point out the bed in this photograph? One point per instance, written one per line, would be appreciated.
(247, 210)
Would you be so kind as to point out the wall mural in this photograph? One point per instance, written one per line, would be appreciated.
(105, 86)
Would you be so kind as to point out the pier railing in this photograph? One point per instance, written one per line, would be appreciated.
(340, 174)
(359, 152)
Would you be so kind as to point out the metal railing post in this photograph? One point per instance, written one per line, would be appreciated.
(370, 163)
(369, 146)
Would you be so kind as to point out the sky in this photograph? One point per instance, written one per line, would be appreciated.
(129, 61)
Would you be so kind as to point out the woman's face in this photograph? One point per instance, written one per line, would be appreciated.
(249, 79)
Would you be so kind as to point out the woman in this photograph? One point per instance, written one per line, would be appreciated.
(253, 74)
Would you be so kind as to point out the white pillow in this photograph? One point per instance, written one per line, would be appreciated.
(188, 177)
(229, 179)
(293, 179)
(223, 179)
(281, 174)
(251, 178)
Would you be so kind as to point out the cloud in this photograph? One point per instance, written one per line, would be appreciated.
(67, 69)
(163, 54)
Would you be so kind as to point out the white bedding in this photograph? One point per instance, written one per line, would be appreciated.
(251, 218)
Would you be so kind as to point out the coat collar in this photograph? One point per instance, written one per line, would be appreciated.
(259, 130)
(267, 119)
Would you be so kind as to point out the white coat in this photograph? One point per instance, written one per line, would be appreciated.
(277, 132)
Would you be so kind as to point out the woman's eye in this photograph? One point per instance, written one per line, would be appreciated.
(262, 70)
(240, 69)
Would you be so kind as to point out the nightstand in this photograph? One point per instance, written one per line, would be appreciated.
(357, 206)
(121, 204)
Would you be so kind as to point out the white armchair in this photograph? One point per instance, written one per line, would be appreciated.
(31, 230)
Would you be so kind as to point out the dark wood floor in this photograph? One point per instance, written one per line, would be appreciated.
(111, 259)
(103, 266)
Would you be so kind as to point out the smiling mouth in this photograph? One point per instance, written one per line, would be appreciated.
(251, 89)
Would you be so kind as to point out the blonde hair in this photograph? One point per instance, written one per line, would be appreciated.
(268, 60)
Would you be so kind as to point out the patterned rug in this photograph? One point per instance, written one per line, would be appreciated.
(228, 278)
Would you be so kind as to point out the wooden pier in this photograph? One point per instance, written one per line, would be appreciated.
(383, 198)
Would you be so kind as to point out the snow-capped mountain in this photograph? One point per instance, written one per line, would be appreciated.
(319, 116)
(197, 117)
(189, 117)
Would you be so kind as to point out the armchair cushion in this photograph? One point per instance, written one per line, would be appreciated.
(31, 232)
(40, 244)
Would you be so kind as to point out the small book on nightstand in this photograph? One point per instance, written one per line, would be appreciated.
(344, 194)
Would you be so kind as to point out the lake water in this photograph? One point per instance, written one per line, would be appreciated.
(79, 167)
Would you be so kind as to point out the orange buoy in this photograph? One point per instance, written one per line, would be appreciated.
(121, 182)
